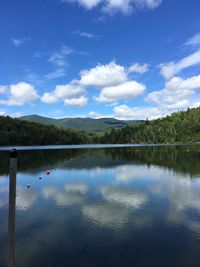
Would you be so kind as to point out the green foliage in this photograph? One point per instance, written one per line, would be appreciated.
(183, 127)
(19, 132)
(82, 124)
(180, 127)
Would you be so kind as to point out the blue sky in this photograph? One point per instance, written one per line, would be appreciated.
(127, 59)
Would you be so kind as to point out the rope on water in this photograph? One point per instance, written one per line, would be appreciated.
(48, 172)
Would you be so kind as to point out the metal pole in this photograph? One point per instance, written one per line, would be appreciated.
(12, 203)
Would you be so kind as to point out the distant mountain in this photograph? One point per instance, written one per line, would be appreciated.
(83, 124)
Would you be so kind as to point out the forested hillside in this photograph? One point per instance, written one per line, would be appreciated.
(19, 132)
(83, 124)
(183, 126)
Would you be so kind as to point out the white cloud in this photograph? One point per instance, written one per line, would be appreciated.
(20, 41)
(127, 90)
(125, 112)
(77, 187)
(111, 6)
(2, 113)
(127, 173)
(72, 94)
(25, 199)
(194, 41)
(32, 77)
(88, 4)
(104, 75)
(176, 94)
(95, 115)
(106, 215)
(87, 35)
(68, 91)
(2, 89)
(49, 98)
(124, 197)
(138, 68)
(73, 194)
(78, 102)
(56, 74)
(59, 58)
(180, 192)
(112, 79)
(168, 70)
(19, 94)
(151, 4)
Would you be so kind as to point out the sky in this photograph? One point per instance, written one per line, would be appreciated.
(126, 59)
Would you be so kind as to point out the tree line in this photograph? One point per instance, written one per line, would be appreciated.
(19, 132)
(183, 127)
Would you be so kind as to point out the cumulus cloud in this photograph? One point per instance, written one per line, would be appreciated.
(78, 102)
(112, 79)
(125, 112)
(194, 41)
(168, 70)
(127, 90)
(19, 94)
(20, 41)
(95, 115)
(138, 68)
(111, 6)
(72, 94)
(176, 94)
(104, 75)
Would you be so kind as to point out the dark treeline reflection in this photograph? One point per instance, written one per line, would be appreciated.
(183, 159)
(34, 160)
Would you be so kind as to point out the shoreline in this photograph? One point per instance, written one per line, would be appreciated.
(85, 146)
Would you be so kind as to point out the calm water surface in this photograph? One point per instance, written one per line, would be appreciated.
(113, 207)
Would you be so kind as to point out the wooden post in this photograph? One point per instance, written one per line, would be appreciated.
(12, 203)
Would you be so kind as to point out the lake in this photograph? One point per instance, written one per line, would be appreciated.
(104, 207)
